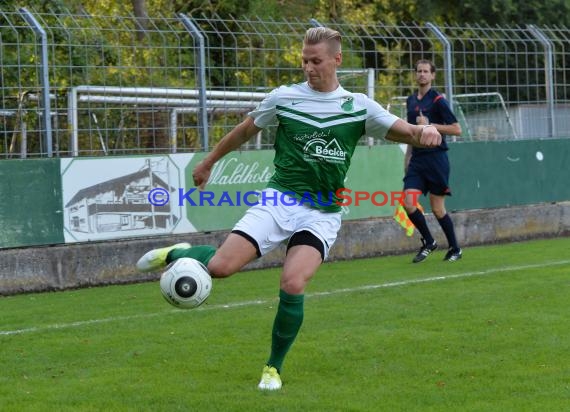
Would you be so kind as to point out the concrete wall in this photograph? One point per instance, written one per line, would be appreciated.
(60, 267)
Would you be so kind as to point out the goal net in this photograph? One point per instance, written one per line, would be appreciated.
(482, 116)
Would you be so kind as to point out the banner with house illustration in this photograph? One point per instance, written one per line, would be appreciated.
(109, 198)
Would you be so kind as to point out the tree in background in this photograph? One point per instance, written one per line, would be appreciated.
(491, 12)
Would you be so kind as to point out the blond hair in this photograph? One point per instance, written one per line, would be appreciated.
(316, 35)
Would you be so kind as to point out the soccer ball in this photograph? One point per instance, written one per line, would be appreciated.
(186, 283)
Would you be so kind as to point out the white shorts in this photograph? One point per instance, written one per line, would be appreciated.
(272, 223)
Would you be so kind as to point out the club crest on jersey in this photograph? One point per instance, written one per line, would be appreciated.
(347, 104)
(321, 150)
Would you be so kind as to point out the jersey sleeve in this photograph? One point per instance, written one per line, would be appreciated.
(378, 120)
(445, 111)
(265, 112)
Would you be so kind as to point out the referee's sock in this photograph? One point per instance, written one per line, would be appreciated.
(447, 225)
(419, 221)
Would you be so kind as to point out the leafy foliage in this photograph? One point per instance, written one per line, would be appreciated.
(490, 12)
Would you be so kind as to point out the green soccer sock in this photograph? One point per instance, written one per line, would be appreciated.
(285, 327)
(202, 253)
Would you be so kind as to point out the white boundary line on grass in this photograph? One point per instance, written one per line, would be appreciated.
(267, 301)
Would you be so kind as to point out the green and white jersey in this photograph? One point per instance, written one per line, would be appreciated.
(316, 137)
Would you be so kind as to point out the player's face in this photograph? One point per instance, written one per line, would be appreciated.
(319, 64)
(424, 76)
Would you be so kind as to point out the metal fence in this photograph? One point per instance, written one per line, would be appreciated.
(77, 85)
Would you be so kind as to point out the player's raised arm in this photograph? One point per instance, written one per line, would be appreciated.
(418, 136)
(230, 142)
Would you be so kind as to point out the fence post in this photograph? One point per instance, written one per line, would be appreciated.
(447, 62)
(203, 112)
(548, 75)
(46, 120)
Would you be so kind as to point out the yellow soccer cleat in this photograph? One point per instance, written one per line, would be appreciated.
(156, 258)
(270, 379)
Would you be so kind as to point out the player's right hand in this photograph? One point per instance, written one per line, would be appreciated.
(201, 174)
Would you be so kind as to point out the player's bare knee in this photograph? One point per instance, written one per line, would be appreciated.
(293, 286)
(220, 268)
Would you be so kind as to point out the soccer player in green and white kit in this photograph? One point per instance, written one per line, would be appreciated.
(319, 125)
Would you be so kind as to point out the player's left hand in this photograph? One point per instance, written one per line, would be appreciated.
(430, 137)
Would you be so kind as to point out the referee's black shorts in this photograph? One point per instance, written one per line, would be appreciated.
(429, 172)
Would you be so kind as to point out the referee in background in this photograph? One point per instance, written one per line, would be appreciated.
(427, 169)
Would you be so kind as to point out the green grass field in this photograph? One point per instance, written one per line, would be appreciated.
(488, 333)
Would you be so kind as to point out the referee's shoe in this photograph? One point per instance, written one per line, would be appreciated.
(425, 251)
(453, 254)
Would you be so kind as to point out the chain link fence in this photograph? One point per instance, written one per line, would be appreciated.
(82, 85)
